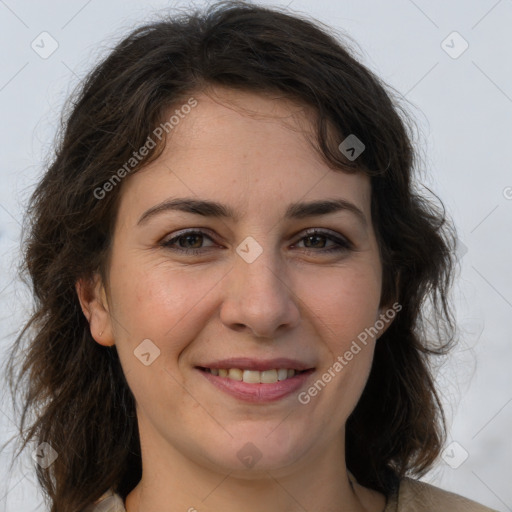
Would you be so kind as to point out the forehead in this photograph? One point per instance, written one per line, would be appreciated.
(244, 149)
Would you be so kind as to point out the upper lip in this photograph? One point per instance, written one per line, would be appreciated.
(261, 365)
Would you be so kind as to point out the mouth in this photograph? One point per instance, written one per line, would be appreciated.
(256, 386)
(254, 376)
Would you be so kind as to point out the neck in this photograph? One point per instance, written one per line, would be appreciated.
(321, 483)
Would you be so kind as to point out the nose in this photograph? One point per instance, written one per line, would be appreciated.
(259, 298)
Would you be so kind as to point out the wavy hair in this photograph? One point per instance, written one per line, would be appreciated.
(76, 388)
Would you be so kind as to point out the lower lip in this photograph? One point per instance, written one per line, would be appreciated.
(258, 392)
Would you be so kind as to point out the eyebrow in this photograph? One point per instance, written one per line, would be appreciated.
(206, 208)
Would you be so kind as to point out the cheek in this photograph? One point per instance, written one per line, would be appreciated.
(159, 302)
(345, 301)
(165, 306)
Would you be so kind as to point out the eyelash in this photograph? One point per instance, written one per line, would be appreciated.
(342, 245)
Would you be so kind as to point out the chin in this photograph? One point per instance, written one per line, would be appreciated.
(247, 455)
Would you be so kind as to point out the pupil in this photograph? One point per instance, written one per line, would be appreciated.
(188, 237)
(314, 237)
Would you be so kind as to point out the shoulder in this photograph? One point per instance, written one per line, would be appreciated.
(413, 496)
(416, 496)
(108, 502)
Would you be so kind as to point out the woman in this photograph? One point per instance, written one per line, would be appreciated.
(229, 264)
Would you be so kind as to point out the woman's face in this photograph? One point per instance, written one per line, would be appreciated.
(254, 287)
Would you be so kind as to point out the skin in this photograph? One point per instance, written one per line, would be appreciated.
(197, 308)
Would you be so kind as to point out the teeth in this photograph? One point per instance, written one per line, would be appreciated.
(235, 374)
(269, 376)
(282, 373)
(254, 376)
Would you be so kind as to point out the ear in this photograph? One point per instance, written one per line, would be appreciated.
(93, 301)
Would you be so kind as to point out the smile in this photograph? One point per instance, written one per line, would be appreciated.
(256, 386)
(254, 376)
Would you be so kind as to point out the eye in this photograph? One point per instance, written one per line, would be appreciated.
(191, 242)
(315, 238)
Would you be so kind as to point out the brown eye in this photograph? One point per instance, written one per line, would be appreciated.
(317, 240)
(191, 239)
(187, 242)
(191, 242)
(313, 239)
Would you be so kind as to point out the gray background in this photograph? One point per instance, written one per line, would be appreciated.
(463, 107)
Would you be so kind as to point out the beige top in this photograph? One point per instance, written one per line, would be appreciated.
(412, 496)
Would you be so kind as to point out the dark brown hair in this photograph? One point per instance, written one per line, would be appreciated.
(83, 406)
